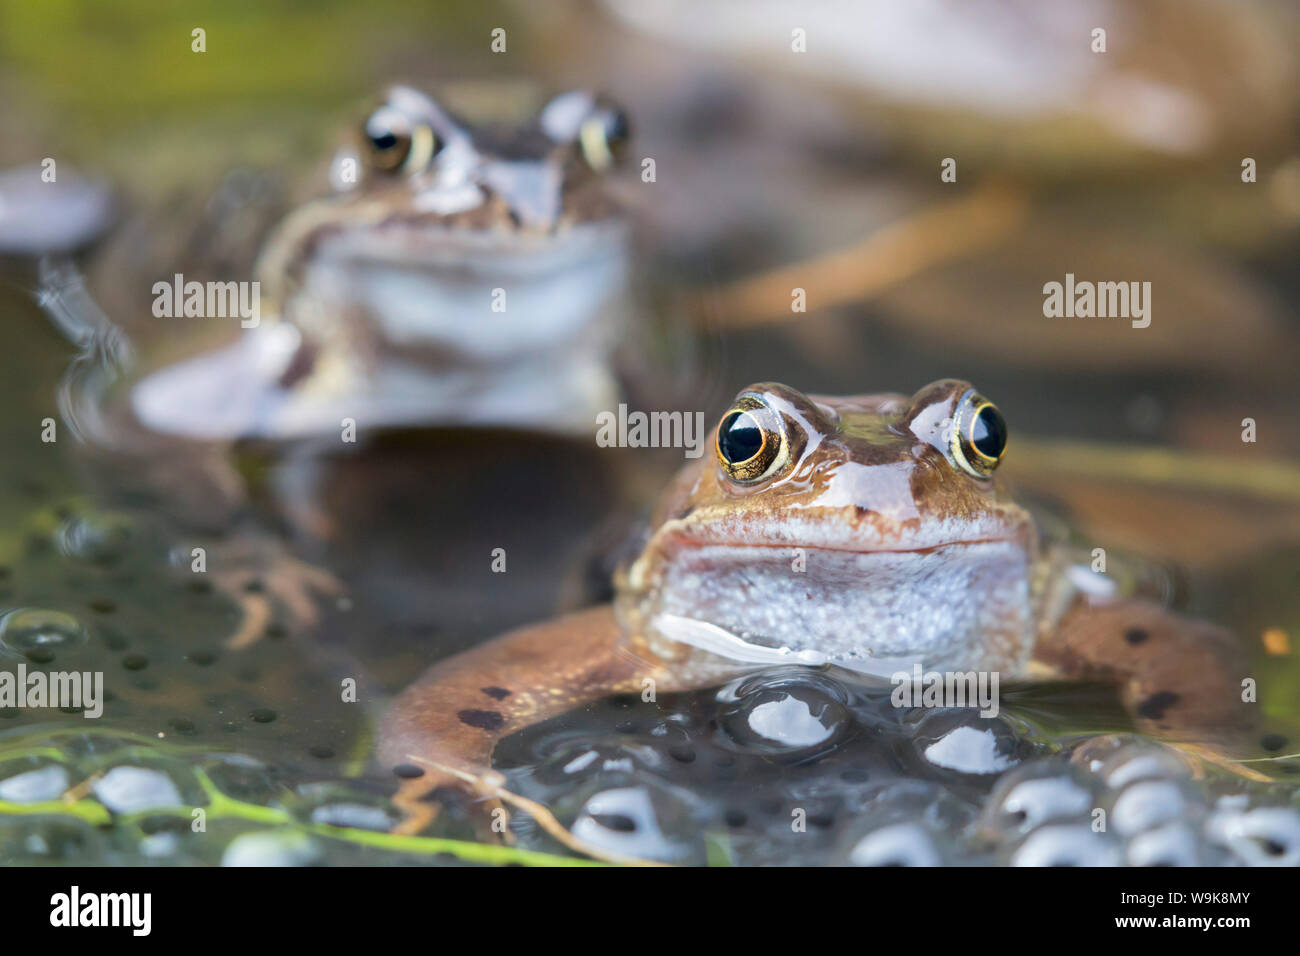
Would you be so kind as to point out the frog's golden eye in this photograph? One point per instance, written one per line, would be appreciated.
(393, 142)
(604, 137)
(979, 435)
(752, 443)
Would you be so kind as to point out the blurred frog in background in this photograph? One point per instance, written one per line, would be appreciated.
(458, 277)
(431, 348)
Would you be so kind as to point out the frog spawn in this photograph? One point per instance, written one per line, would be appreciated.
(1128, 799)
(786, 765)
(46, 782)
(150, 794)
(646, 820)
(110, 797)
(793, 766)
(720, 776)
(788, 715)
(107, 778)
(1262, 836)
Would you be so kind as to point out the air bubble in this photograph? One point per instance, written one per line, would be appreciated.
(101, 538)
(32, 629)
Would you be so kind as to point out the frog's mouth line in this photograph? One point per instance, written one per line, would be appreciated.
(697, 543)
(420, 244)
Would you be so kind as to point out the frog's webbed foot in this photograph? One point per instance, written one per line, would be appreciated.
(270, 580)
(414, 799)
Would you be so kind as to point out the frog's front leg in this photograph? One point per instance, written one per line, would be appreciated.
(450, 721)
(1179, 677)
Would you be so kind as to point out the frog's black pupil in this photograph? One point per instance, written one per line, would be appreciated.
(989, 432)
(381, 137)
(617, 129)
(740, 438)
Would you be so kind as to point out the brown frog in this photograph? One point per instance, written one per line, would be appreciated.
(862, 533)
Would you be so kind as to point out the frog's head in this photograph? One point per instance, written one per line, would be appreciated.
(866, 531)
(435, 170)
(413, 172)
(432, 214)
